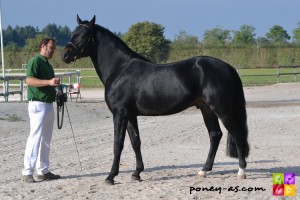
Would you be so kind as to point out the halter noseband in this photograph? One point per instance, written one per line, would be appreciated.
(73, 45)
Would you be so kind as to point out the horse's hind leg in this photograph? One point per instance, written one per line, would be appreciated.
(215, 135)
(134, 135)
(236, 143)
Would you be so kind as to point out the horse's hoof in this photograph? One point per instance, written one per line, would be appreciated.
(202, 174)
(241, 177)
(136, 178)
(109, 182)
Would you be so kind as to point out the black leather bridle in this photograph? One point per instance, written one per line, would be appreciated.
(80, 50)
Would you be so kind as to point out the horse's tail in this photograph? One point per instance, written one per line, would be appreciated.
(240, 116)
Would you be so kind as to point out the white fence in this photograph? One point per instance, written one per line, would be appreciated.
(20, 88)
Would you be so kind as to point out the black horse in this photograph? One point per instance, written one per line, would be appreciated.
(134, 86)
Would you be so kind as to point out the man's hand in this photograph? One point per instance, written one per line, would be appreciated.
(54, 82)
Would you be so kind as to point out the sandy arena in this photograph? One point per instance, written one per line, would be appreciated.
(174, 149)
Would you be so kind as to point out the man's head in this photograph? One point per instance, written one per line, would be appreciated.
(47, 47)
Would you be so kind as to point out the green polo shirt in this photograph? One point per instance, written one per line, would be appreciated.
(40, 68)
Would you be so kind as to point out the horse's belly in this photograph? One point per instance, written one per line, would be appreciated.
(163, 105)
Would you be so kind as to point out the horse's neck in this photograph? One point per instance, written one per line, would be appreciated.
(99, 72)
(107, 66)
(111, 55)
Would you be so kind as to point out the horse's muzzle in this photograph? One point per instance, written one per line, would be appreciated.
(65, 57)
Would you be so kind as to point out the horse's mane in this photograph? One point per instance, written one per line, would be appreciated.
(118, 42)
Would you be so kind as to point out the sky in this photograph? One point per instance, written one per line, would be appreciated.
(192, 16)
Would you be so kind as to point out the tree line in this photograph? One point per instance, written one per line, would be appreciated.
(19, 38)
(147, 38)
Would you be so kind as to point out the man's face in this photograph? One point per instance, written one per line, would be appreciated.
(48, 50)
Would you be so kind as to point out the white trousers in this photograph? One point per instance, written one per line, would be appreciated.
(37, 150)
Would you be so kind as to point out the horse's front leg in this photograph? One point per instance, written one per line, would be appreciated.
(134, 135)
(120, 125)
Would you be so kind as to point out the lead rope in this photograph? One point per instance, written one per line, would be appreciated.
(74, 137)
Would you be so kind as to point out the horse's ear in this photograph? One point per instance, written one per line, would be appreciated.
(79, 21)
(92, 22)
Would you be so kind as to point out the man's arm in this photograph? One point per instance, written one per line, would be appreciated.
(32, 81)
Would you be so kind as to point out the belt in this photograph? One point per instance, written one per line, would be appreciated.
(40, 101)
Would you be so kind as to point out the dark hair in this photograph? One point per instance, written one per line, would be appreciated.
(45, 41)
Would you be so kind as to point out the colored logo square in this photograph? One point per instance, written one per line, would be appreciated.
(278, 190)
(278, 178)
(289, 190)
(289, 178)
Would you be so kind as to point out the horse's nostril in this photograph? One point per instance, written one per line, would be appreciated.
(64, 56)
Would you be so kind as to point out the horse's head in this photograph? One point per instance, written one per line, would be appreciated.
(81, 42)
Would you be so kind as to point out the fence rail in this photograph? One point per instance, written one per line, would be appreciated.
(7, 85)
(250, 76)
(278, 73)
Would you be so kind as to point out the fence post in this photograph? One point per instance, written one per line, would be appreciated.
(6, 89)
(21, 89)
(295, 73)
(278, 74)
(78, 76)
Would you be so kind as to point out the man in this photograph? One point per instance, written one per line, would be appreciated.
(41, 94)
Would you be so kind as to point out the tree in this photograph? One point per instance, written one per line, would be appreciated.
(184, 41)
(216, 37)
(277, 35)
(63, 35)
(296, 36)
(245, 36)
(262, 41)
(11, 46)
(18, 35)
(32, 44)
(50, 30)
(23, 33)
(9, 36)
(184, 46)
(11, 50)
(119, 34)
(59, 33)
(148, 39)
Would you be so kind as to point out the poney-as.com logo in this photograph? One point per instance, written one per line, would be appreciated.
(284, 184)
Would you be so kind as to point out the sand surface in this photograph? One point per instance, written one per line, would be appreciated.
(174, 149)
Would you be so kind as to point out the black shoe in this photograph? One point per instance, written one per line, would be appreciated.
(48, 176)
(28, 178)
